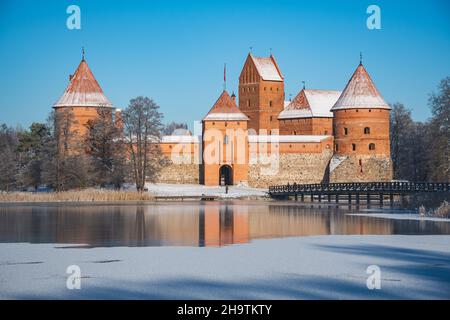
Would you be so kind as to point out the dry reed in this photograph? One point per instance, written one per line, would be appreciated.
(76, 196)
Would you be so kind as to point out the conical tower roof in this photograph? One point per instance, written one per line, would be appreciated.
(360, 93)
(225, 109)
(83, 90)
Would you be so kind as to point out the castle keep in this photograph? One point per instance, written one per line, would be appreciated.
(262, 139)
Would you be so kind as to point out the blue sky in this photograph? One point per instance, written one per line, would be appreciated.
(174, 51)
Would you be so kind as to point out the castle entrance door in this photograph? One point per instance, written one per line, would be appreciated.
(225, 175)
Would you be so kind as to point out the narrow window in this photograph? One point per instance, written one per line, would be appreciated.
(270, 103)
(248, 103)
(366, 130)
(345, 131)
(336, 147)
(372, 146)
(270, 118)
(225, 140)
(326, 132)
(353, 147)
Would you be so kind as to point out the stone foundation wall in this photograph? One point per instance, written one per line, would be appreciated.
(292, 168)
(362, 168)
(179, 173)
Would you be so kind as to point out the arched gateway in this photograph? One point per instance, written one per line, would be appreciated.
(225, 175)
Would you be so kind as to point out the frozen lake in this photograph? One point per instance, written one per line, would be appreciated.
(219, 250)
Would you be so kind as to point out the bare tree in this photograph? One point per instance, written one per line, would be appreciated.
(105, 146)
(172, 127)
(142, 121)
(66, 164)
(439, 104)
(8, 158)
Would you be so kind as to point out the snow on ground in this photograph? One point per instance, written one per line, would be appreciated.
(163, 189)
(319, 267)
(400, 216)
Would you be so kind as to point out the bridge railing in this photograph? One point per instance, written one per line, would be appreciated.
(361, 187)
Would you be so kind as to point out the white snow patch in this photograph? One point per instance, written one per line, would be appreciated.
(319, 267)
(197, 190)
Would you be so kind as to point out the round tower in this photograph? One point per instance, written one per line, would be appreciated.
(361, 132)
(79, 103)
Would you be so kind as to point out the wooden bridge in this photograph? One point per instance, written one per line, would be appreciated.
(356, 193)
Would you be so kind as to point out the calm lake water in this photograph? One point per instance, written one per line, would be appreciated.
(215, 223)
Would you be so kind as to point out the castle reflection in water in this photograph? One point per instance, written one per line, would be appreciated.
(189, 224)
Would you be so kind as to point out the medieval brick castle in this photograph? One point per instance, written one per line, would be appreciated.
(319, 136)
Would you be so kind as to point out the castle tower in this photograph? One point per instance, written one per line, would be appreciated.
(361, 132)
(225, 144)
(261, 92)
(82, 98)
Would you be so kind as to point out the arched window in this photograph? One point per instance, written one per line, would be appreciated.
(372, 146)
(366, 130)
(225, 139)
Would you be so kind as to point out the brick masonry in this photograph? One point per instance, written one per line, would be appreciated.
(293, 168)
(187, 173)
(362, 168)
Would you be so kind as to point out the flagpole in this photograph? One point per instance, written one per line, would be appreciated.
(225, 77)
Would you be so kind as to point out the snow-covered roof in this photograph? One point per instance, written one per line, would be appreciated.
(310, 103)
(360, 92)
(267, 68)
(180, 139)
(225, 109)
(83, 90)
(286, 138)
